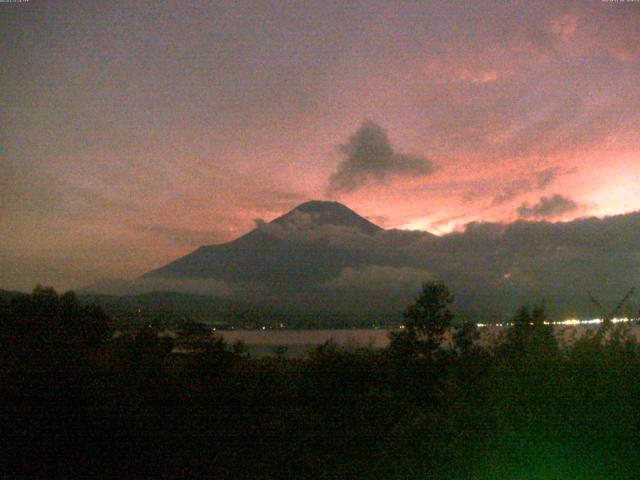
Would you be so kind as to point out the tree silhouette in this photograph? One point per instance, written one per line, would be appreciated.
(531, 335)
(55, 322)
(426, 320)
(465, 337)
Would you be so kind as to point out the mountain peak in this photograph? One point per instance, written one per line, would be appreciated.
(329, 213)
(321, 206)
(271, 258)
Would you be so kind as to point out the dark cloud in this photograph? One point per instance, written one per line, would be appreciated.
(545, 177)
(495, 267)
(380, 278)
(89, 126)
(492, 267)
(371, 157)
(535, 181)
(509, 264)
(548, 207)
(512, 190)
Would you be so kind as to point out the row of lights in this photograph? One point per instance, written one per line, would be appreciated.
(570, 321)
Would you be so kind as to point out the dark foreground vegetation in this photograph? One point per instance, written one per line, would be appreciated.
(78, 403)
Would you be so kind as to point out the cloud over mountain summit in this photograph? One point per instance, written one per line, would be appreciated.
(370, 157)
(324, 254)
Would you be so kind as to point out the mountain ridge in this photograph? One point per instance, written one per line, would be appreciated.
(329, 213)
(266, 255)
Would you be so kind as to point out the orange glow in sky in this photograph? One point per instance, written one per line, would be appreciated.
(131, 136)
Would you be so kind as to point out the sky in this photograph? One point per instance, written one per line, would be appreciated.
(133, 132)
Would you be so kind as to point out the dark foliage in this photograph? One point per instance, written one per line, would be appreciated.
(426, 321)
(79, 403)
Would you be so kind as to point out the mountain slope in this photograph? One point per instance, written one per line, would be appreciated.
(329, 213)
(276, 254)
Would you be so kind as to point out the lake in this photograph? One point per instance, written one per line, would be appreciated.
(298, 342)
(263, 342)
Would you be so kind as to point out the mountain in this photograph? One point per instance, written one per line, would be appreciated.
(329, 213)
(296, 249)
(323, 257)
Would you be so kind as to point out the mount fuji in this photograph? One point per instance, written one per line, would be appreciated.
(296, 249)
